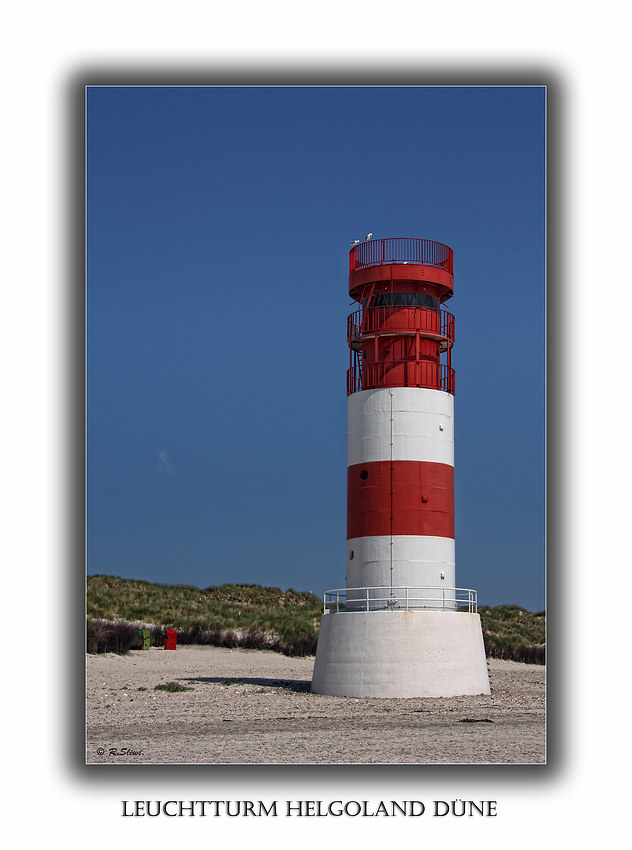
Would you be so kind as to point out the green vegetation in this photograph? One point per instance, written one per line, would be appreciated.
(512, 632)
(255, 617)
(172, 688)
(247, 607)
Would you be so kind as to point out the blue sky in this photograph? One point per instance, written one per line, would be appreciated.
(219, 222)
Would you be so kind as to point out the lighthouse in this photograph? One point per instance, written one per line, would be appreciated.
(400, 627)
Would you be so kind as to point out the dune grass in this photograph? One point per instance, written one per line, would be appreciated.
(244, 607)
(514, 633)
(256, 617)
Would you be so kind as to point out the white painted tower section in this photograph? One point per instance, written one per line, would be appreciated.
(415, 563)
(422, 429)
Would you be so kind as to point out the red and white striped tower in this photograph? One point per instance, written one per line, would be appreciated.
(400, 489)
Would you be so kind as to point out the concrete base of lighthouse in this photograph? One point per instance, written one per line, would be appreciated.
(400, 654)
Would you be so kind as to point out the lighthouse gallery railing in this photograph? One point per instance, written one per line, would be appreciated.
(378, 252)
(400, 599)
(413, 373)
(427, 321)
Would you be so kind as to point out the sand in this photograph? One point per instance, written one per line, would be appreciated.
(268, 716)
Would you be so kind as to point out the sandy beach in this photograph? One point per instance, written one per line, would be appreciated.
(268, 716)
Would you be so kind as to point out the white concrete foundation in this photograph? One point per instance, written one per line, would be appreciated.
(400, 654)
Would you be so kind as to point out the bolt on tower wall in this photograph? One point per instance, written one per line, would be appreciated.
(400, 627)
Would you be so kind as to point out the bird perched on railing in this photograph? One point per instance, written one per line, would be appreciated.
(368, 236)
(355, 242)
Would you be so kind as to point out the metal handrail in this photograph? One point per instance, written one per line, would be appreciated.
(400, 599)
(400, 319)
(379, 252)
(415, 373)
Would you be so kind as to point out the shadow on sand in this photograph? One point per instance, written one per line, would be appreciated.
(295, 685)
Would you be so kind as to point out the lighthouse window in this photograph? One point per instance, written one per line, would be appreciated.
(404, 299)
(351, 555)
(429, 301)
(364, 475)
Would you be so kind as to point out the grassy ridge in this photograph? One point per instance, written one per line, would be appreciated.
(260, 618)
(513, 633)
(510, 624)
(247, 607)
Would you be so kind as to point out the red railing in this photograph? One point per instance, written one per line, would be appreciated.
(400, 373)
(379, 252)
(392, 320)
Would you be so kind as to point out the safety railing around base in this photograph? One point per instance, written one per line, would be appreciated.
(400, 599)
